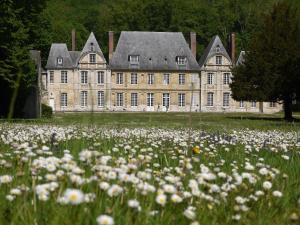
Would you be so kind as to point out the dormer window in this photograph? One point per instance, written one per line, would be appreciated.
(181, 60)
(60, 61)
(218, 48)
(92, 58)
(134, 59)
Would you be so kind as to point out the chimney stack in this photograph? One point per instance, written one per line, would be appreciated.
(232, 47)
(110, 44)
(193, 44)
(73, 40)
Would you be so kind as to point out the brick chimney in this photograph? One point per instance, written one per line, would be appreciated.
(193, 44)
(232, 47)
(73, 40)
(110, 44)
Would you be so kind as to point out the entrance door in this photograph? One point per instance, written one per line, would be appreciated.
(51, 103)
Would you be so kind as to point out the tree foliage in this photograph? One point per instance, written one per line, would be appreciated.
(271, 70)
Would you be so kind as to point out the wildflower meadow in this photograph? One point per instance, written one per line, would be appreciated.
(87, 174)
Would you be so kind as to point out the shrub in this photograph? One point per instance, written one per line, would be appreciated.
(46, 111)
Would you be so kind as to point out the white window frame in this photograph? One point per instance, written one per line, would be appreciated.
(100, 77)
(242, 104)
(83, 77)
(119, 79)
(63, 100)
(181, 79)
(100, 99)
(134, 59)
(120, 99)
(166, 100)
(59, 61)
(150, 99)
(210, 99)
(92, 58)
(134, 100)
(151, 78)
(226, 78)
(166, 79)
(226, 97)
(253, 104)
(133, 78)
(181, 99)
(51, 77)
(272, 104)
(219, 60)
(181, 60)
(83, 98)
(64, 77)
(210, 78)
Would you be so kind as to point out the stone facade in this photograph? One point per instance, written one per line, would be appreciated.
(77, 81)
(148, 71)
(215, 79)
(157, 96)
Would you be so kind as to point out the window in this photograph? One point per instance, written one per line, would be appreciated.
(181, 60)
(166, 78)
(150, 78)
(133, 78)
(272, 104)
(210, 99)
(92, 58)
(100, 98)
(119, 78)
(63, 99)
(181, 99)
(225, 99)
(120, 100)
(253, 104)
(134, 99)
(219, 60)
(150, 99)
(59, 61)
(134, 59)
(242, 104)
(181, 79)
(64, 77)
(226, 78)
(210, 78)
(166, 100)
(100, 77)
(83, 98)
(84, 77)
(51, 77)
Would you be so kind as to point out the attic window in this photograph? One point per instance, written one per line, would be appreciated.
(134, 59)
(218, 48)
(92, 58)
(59, 61)
(181, 60)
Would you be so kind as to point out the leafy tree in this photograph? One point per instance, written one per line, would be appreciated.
(271, 69)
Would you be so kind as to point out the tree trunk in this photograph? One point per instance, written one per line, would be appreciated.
(287, 105)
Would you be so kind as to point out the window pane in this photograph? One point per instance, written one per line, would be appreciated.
(100, 98)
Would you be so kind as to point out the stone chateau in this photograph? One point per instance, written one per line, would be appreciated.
(147, 71)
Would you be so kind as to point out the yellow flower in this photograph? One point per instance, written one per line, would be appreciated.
(196, 149)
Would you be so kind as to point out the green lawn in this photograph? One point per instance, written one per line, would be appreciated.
(206, 121)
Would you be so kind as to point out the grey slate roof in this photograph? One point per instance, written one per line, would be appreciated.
(211, 50)
(59, 50)
(70, 58)
(156, 50)
(241, 58)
